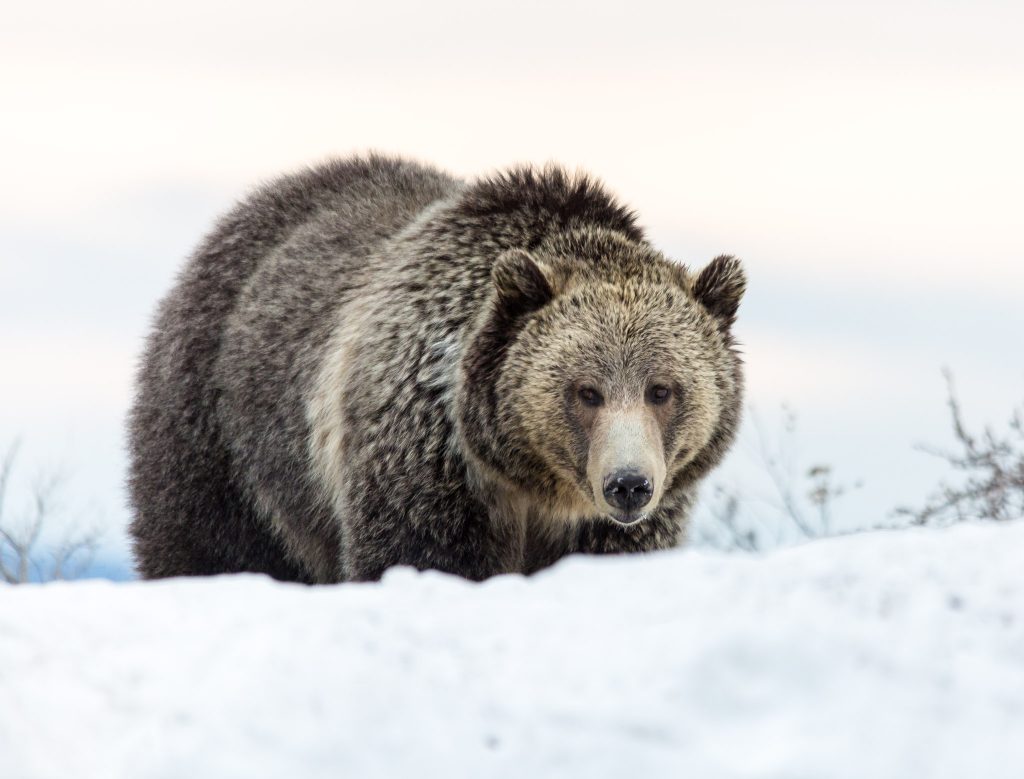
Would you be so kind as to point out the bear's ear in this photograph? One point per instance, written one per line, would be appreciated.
(520, 284)
(719, 287)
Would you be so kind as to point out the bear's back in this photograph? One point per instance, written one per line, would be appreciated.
(217, 421)
(274, 341)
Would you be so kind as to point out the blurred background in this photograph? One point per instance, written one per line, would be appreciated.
(864, 159)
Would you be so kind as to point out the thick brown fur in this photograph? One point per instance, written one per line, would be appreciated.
(372, 363)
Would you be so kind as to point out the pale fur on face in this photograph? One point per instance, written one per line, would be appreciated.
(625, 437)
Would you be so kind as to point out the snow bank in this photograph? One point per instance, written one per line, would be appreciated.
(896, 654)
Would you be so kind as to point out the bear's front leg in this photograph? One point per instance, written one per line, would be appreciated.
(446, 530)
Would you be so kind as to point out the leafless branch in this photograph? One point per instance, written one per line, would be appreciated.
(992, 468)
(803, 497)
(21, 558)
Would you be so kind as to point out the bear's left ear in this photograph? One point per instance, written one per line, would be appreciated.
(720, 286)
(520, 284)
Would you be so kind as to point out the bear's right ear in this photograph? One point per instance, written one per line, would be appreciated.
(719, 287)
(520, 284)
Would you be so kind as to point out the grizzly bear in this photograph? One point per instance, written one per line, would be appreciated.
(373, 363)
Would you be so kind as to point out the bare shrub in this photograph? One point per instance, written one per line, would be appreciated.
(991, 467)
(799, 503)
(22, 555)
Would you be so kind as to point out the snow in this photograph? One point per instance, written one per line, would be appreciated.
(887, 654)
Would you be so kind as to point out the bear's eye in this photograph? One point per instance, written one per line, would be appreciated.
(658, 394)
(590, 397)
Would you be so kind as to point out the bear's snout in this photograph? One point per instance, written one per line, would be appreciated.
(628, 491)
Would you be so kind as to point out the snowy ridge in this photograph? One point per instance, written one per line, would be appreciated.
(889, 654)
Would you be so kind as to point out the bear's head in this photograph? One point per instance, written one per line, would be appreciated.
(601, 375)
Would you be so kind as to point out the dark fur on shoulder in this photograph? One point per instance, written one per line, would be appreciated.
(372, 363)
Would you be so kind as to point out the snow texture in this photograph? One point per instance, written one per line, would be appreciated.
(888, 654)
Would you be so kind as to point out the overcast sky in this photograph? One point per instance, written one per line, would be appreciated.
(864, 159)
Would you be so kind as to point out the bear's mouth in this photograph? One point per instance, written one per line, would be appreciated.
(632, 518)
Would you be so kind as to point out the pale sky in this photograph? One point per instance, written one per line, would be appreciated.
(864, 159)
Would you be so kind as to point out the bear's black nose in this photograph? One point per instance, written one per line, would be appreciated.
(628, 490)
